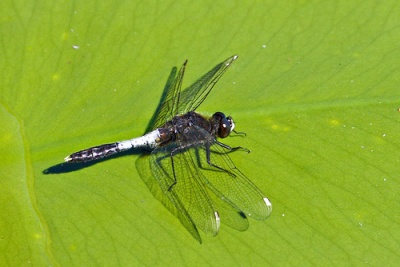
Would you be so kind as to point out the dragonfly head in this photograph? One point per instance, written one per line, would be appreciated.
(223, 125)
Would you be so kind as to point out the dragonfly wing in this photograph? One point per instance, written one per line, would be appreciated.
(231, 185)
(143, 167)
(230, 215)
(194, 95)
(223, 179)
(188, 192)
(174, 102)
(169, 100)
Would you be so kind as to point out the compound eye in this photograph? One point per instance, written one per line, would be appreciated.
(224, 128)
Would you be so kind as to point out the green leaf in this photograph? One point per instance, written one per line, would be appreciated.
(314, 88)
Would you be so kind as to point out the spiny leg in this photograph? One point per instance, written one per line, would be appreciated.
(173, 152)
(232, 149)
(208, 156)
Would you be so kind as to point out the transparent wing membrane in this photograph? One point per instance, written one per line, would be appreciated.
(176, 102)
(194, 95)
(187, 191)
(169, 107)
(199, 189)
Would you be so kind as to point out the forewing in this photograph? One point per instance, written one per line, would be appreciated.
(230, 215)
(194, 95)
(233, 186)
(175, 102)
(170, 99)
(189, 194)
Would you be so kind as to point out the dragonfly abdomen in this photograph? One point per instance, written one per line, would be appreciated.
(93, 153)
(149, 140)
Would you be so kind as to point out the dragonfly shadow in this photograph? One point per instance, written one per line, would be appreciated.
(66, 167)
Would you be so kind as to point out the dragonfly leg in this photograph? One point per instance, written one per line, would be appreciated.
(208, 155)
(232, 148)
(173, 152)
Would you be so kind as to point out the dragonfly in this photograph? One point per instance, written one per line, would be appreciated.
(191, 166)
